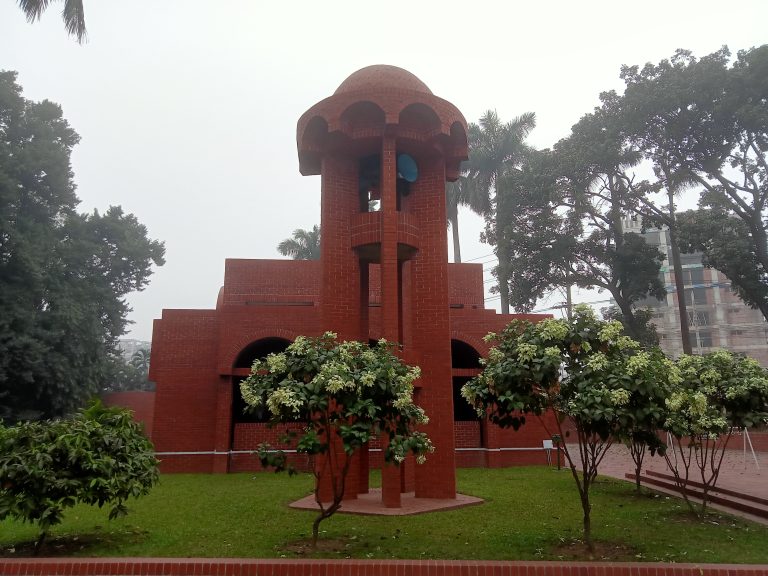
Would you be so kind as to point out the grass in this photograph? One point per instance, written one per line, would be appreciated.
(529, 513)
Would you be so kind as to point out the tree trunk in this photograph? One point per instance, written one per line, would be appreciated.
(39, 543)
(587, 508)
(630, 321)
(682, 309)
(503, 258)
(637, 450)
(456, 244)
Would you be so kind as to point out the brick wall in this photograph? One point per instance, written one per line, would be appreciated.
(285, 567)
(142, 404)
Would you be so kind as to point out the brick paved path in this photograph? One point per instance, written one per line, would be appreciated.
(737, 472)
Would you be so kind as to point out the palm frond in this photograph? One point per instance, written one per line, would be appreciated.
(74, 19)
(73, 15)
(33, 9)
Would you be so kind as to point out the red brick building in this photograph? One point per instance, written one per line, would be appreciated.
(384, 146)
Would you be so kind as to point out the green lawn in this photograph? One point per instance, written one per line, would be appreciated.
(529, 513)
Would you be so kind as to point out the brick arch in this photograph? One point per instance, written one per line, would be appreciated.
(227, 359)
(477, 343)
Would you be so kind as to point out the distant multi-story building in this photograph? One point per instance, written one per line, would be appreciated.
(128, 347)
(717, 317)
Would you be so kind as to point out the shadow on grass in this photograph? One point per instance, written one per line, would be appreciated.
(75, 544)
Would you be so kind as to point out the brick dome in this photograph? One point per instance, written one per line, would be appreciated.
(381, 77)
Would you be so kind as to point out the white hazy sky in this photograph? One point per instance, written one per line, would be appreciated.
(187, 109)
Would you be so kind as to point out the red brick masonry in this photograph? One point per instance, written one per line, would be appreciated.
(240, 567)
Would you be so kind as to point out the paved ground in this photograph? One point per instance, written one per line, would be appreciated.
(738, 471)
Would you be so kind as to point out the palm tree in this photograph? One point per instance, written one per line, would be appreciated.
(140, 360)
(304, 245)
(73, 15)
(495, 149)
(462, 193)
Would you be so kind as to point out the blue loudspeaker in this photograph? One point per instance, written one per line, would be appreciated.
(407, 168)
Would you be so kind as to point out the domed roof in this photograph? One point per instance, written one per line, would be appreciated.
(381, 76)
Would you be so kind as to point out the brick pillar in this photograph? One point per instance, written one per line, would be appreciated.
(390, 290)
(223, 436)
(431, 332)
(340, 293)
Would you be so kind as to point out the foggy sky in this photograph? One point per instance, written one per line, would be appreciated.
(187, 109)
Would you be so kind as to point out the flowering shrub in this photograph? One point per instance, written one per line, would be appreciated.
(712, 395)
(585, 370)
(347, 392)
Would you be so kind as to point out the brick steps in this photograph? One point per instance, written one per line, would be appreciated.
(729, 499)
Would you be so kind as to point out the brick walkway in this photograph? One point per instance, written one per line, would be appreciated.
(737, 472)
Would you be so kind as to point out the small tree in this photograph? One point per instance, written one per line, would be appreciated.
(100, 456)
(713, 394)
(585, 370)
(348, 393)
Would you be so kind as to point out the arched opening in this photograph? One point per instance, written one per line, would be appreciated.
(464, 356)
(362, 115)
(254, 350)
(420, 118)
(465, 364)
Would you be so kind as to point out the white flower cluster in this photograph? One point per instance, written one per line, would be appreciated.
(552, 352)
(620, 397)
(552, 329)
(250, 397)
(638, 363)
(626, 343)
(299, 346)
(526, 352)
(277, 363)
(495, 355)
(710, 376)
(283, 397)
(673, 372)
(598, 361)
(610, 331)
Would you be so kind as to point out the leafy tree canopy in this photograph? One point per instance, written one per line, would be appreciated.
(303, 245)
(99, 457)
(704, 123)
(710, 396)
(496, 150)
(584, 370)
(64, 275)
(349, 393)
(725, 244)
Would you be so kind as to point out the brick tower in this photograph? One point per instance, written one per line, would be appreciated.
(385, 146)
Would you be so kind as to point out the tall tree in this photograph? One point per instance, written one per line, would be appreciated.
(140, 360)
(725, 244)
(73, 15)
(540, 237)
(452, 202)
(462, 193)
(64, 276)
(496, 149)
(595, 186)
(705, 122)
(303, 245)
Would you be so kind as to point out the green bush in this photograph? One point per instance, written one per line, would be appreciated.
(100, 456)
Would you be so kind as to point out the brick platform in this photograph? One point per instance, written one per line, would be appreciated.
(248, 567)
